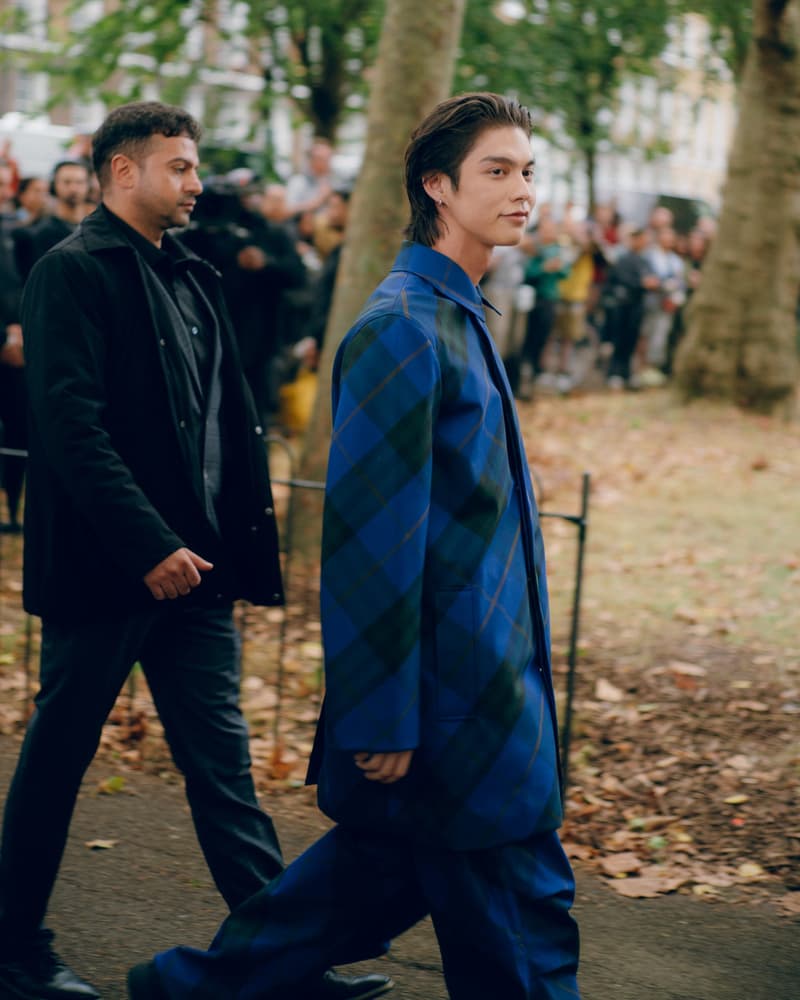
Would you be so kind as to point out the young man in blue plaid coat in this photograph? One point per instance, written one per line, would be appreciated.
(436, 754)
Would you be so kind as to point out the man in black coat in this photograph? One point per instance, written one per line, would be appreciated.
(148, 512)
(70, 188)
(628, 281)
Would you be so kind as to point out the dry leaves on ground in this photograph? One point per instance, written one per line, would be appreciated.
(684, 758)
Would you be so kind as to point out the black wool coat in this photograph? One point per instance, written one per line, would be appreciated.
(113, 480)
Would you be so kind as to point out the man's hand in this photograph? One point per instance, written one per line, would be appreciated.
(11, 352)
(176, 575)
(251, 258)
(384, 767)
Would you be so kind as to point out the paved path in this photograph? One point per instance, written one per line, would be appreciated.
(115, 907)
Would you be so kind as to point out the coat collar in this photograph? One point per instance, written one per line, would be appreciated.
(444, 274)
(101, 232)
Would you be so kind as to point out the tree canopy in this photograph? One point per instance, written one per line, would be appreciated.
(564, 58)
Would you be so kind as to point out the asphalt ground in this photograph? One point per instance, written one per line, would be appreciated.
(149, 889)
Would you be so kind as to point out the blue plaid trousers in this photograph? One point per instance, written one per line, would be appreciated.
(501, 916)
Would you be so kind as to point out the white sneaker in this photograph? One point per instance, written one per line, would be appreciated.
(652, 378)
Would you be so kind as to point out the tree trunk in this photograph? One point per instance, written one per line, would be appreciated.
(741, 338)
(590, 162)
(412, 74)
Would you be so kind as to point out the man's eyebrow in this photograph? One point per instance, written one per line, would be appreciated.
(506, 160)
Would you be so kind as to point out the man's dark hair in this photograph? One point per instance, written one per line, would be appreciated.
(129, 128)
(440, 144)
(60, 166)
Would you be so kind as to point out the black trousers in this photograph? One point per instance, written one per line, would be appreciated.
(627, 328)
(190, 656)
(540, 325)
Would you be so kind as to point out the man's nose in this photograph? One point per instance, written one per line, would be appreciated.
(526, 192)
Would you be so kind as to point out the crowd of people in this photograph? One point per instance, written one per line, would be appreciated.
(618, 287)
(276, 246)
(600, 282)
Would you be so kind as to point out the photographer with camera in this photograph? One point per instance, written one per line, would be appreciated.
(258, 263)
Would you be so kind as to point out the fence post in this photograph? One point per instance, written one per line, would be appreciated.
(278, 439)
(566, 729)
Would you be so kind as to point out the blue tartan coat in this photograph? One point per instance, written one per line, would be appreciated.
(433, 592)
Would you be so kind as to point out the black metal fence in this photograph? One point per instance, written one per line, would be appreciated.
(293, 484)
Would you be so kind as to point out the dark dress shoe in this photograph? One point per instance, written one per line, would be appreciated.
(37, 973)
(144, 984)
(335, 986)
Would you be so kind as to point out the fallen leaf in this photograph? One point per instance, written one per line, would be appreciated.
(750, 869)
(704, 889)
(605, 691)
(101, 845)
(736, 800)
(112, 785)
(647, 886)
(687, 669)
(619, 865)
(789, 904)
(578, 852)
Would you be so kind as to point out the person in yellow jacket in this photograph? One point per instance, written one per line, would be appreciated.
(573, 295)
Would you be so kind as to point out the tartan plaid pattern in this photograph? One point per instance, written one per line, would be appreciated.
(501, 917)
(434, 637)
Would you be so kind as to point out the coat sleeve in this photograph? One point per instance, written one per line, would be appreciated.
(65, 360)
(386, 387)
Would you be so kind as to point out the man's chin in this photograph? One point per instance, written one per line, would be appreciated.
(510, 239)
(180, 219)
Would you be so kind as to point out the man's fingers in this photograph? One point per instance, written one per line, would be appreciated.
(199, 562)
(384, 767)
(176, 575)
(191, 576)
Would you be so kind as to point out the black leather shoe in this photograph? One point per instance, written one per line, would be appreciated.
(37, 973)
(144, 984)
(334, 986)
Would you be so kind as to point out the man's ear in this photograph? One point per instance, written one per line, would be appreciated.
(123, 170)
(434, 185)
